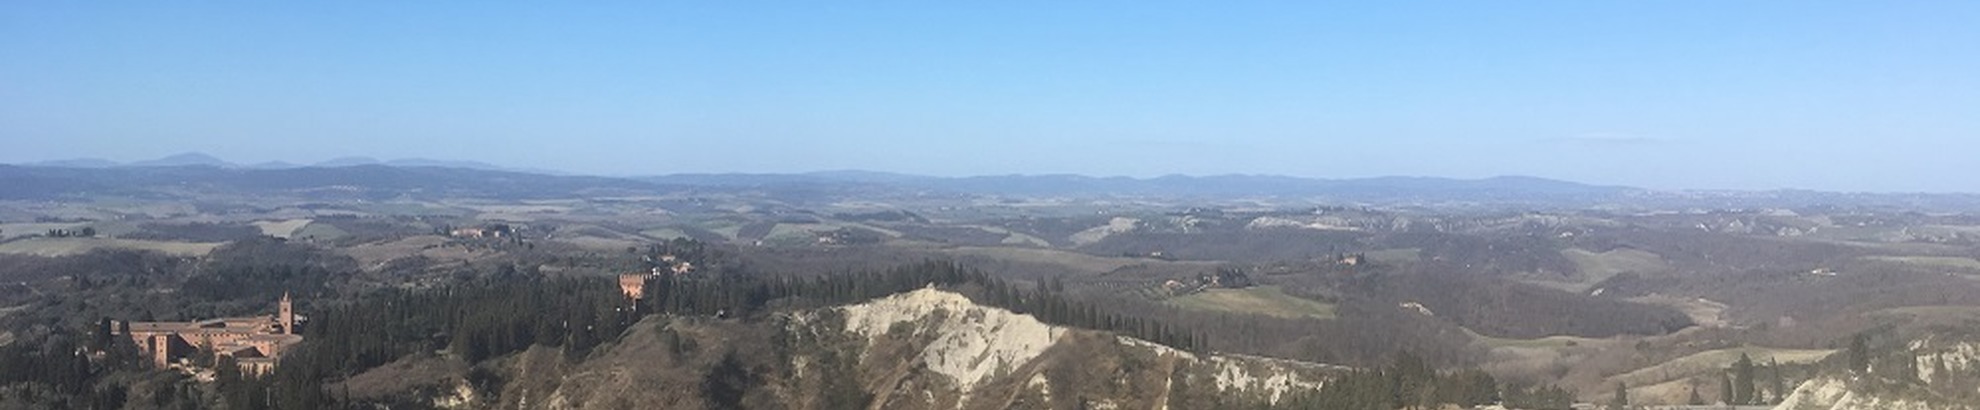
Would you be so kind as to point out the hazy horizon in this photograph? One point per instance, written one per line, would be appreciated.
(1754, 96)
(85, 162)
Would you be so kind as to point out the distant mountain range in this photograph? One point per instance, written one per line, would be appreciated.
(371, 182)
(200, 174)
(200, 159)
(1498, 189)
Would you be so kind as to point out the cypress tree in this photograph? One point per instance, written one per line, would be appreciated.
(101, 339)
(1859, 354)
(1725, 389)
(1621, 399)
(1774, 382)
(1939, 373)
(1743, 384)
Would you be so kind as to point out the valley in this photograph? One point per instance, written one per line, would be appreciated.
(805, 294)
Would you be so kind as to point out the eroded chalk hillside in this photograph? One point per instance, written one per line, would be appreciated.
(925, 349)
(1935, 372)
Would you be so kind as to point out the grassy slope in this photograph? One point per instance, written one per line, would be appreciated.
(1263, 300)
(73, 246)
(281, 229)
(1079, 261)
(1595, 267)
(1398, 255)
(320, 231)
(16, 230)
(1930, 261)
(1714, 360)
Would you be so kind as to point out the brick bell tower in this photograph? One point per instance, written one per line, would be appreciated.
(288, 316)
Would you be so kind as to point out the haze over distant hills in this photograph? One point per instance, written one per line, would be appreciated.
(196, 173)
(202, 159)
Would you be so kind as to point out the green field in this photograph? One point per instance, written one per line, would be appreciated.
(408, 209)
(112, 229)
(281, 229)
(320, 231)
(1261, 300)
(15, 230)
(73, 246)
(1549, 342)
(1078, 261)
(795, 233)
(1940, 315)
(1713, 361)
(1930, 261)
(1595, 267)
(1398, 255)
(665, 234)
(1013, 237)
(805, 233)
(1954, 311)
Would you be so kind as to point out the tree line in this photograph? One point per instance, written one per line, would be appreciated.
(748, 296)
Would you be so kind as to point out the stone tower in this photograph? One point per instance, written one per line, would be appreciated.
(161, 350)
(288, 316)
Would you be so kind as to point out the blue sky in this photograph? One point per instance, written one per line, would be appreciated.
(1871, 96)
